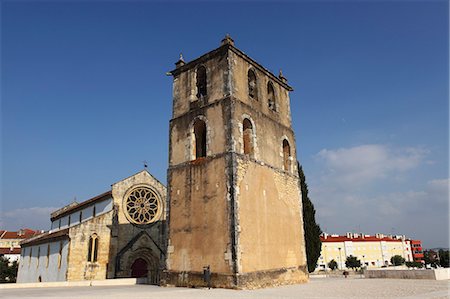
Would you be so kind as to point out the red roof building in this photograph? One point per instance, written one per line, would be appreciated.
(10, 241)
(417, 251)
(373, 251)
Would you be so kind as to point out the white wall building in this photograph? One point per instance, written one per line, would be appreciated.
(373, 251)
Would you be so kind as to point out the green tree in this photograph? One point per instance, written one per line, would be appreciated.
(444, 258)
(413, 264)
(311, 228)
(8, 272)
(397, 260)
(352, 262)
(333, 265)
(431, 258)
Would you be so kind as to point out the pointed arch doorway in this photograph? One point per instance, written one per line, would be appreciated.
(140, 261)
(142, 267)
(139, 268)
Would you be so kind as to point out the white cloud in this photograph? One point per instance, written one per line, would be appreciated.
(363, 164)
(373, 188)
(417, 214)
(438, 188)
(33, 218)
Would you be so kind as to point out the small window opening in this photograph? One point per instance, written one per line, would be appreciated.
(201, 82)
(286, 155)
(271, 97)
(94, 212)
(81, 216)
(39, 279)
(200, 138)
(92, 249)
(252, 88)
(59, 223)
(247, 129)
(68, 222)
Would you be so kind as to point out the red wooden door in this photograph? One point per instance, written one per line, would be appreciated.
(139, 268)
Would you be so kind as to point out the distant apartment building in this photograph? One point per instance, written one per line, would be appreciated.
(417, 251)
(373, 251)
(10, 242)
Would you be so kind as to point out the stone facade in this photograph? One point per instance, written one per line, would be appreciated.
(130, 241)
(80, 268)
(234, 205)
(99, 240)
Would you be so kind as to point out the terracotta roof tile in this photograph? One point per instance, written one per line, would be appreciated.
(8, 250)
(358, 239)
(46, 237)
(25, 234)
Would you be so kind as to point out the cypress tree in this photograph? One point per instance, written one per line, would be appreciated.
(312, 229)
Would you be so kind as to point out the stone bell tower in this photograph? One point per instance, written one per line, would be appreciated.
(233, 191)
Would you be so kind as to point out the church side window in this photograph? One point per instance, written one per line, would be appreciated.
(252, 87)
(201, 82)
(200, 138)
(92, 249)
(271, 97)
(247, 130)
(81, 216)
(286, 155)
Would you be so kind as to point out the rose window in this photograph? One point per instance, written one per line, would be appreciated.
(142, 206)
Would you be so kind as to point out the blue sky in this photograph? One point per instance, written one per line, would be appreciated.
(86, 99)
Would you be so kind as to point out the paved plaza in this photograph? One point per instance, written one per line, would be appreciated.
(316, 288)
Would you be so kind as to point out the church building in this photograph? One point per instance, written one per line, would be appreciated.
(233, 201)
(117, 234)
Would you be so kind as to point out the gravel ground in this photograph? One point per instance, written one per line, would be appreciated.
(316, 288)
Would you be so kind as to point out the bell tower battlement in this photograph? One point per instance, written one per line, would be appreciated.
(233, 189)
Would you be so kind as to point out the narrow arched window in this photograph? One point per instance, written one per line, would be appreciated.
(271, 97)
(252, 87)
(200, 138)
(92, 249)
(286, 155)
(201, 82)
(247, 135)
